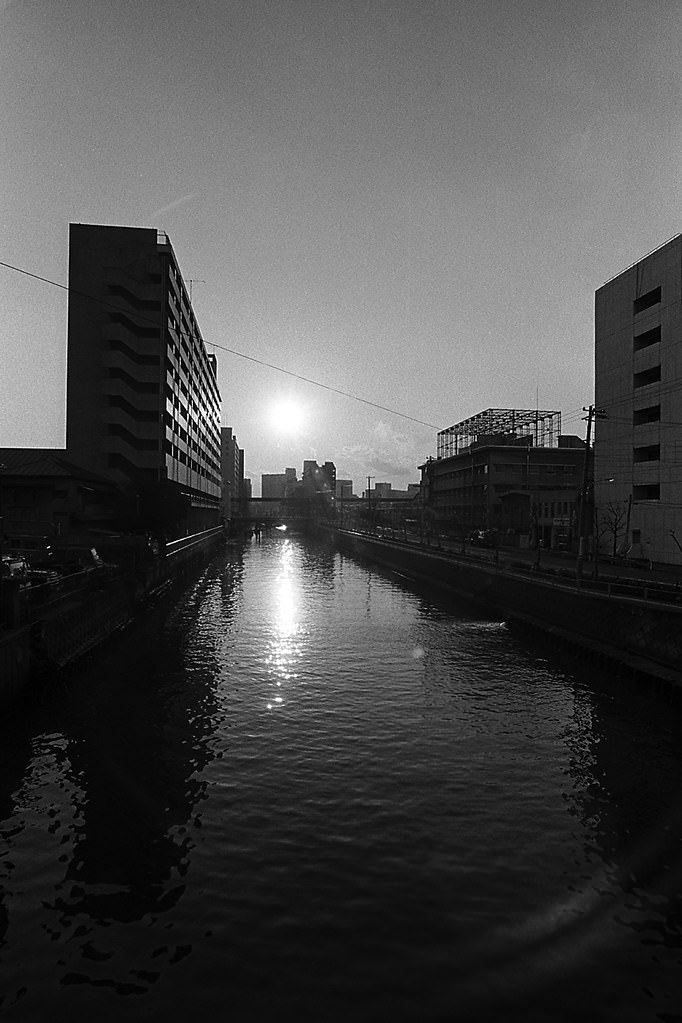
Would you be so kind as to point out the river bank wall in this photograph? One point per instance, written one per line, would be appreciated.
(41, 639)
(638, 628)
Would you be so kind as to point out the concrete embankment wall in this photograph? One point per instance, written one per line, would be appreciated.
(51, 636)
(643, 634)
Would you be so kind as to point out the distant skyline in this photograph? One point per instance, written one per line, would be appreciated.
(413, 202)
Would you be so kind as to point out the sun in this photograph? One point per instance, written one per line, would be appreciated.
(286, 415)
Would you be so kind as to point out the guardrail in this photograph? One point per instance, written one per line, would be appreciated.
(650, 590)
(21, 602)
(185, 542)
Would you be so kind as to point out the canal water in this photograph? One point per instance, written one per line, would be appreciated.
(307, 790)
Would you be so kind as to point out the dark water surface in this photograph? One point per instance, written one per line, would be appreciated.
(305, 790)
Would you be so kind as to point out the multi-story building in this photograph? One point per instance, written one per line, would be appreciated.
(277, 485)
(385, 492)
(638, 397)
(143, 406)
(344, 490)
(232, 474)
(319, 479)
(509, 470)
(272, 485)
(316, 489)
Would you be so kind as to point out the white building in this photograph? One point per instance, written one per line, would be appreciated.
(638, 385)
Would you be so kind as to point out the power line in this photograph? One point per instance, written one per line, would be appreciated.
(327, 387)
(231, 351)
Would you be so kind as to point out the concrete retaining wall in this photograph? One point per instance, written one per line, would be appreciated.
(643, 634)
(48, 638)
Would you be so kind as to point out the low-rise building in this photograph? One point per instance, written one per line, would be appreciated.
(43, 494)
(344, 490)
(510, 471)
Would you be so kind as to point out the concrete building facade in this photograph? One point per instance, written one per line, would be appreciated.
(143, 405)
(344, 490)
(279, 484)
(232, 474)
(42, 494)
(319, 479)
(638, 393)
(504, 481)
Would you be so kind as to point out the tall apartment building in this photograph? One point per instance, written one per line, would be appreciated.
(638, 385)
(143, 406)
(232, 473)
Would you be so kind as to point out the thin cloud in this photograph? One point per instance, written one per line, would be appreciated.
(173, 205)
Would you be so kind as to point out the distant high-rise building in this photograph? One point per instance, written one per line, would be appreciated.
(344, 489)
(232, 462)
(272, 485)
(638, 398)
(277, 485)
(143, 406)
(319, 479)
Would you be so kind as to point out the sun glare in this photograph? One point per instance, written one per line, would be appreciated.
(286, 416)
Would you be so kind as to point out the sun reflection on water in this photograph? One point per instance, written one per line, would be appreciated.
(285, 645)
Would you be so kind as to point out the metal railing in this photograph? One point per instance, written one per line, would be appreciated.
(502, 560)
(175, 546)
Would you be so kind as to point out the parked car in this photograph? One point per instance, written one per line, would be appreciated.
(14, 566)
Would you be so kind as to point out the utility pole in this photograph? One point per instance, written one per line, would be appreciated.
(592, 414)
(369, 501)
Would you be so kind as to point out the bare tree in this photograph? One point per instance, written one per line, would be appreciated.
(612, 524)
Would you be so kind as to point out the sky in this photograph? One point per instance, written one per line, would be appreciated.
(412, 202)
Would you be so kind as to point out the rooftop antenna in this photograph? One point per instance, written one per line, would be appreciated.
(191, 281)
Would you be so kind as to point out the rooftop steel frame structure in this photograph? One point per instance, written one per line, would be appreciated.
(540, 426)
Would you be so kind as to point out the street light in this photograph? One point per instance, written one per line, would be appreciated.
(592, 414)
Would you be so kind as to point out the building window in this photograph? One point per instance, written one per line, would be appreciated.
(648, 338)
(647, 376)
(636, 535)
(650, 414)
(646, 301)
(647, 492)
(650, 453)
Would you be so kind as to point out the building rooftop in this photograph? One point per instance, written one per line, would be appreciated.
(673, 238)
(44, 462)
(542, 426)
